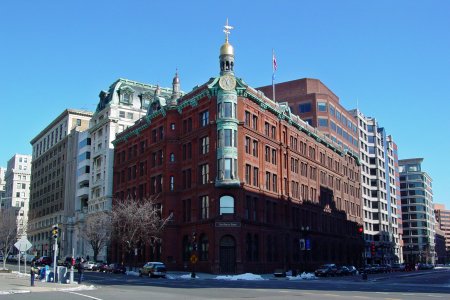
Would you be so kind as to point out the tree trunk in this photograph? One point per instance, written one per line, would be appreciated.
(95, 254)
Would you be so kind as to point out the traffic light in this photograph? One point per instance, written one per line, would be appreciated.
(360, 230)
(194, 241)
(55, 231)
(372, 249)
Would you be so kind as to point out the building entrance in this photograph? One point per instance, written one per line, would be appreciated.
(227, 254)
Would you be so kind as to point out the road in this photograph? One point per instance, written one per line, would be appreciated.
(432, 284)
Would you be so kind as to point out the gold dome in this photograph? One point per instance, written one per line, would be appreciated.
(226, 49)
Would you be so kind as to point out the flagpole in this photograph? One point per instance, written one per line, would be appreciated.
(273, 75)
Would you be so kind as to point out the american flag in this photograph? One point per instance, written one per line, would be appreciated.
(274, 62)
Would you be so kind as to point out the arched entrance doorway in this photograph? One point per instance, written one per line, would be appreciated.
(227, 254)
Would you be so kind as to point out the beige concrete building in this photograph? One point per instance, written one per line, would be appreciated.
(53, 179)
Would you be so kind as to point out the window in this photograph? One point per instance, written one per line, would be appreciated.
(255, 176)
(255, 122)
(304, 107)
(187, 210)
(323, 122)
(322, 106)
(204, 145)
(204, 118)
(226, 205)
(172, 126)
(227, 168)
(78, 122)
(247, 145)
(172, 157)
(268, 177)
(247, 118)
(121, 114)
(228, 110)
(248, 171)
(172, 183)
(255, 148)
(204, 173)
(130, 116)
(332, 111)
(204, 204)
(204, 248)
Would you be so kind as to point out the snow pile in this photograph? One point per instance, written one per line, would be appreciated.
(246, 276)
(79, 288)
(188, 276)
(132, 273)
(14, 292)
(303, 276)
(21, 274)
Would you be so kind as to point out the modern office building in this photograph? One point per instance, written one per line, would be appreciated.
(443, 222)
(17, 189)
(379, 191)
(317, 105)
(53, 179)
(243, 174)
(417, 212)
(2, 186)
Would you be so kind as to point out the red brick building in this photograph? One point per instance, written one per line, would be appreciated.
(316, 104)
(258, 187)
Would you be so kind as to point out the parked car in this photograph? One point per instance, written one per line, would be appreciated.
(88, 265)
(326, 270)
(398, 267)
(116, 268)
(44, 260)
(28, 257)
(12, 258)
(352, 270)
(342, 271)
(422, 266)
(153, 269)
(100, 267)
(385, 268)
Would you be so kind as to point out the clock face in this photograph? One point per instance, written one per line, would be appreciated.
(227, 82)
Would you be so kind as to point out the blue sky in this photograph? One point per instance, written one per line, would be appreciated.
(392, 57)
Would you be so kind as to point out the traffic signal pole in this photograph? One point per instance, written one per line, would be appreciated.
(55, 255)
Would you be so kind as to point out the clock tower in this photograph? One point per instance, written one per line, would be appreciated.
(227, 121)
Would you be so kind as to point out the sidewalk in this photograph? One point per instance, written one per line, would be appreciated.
(15, 283)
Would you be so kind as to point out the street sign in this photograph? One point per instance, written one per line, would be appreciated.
(23, 244)
(194, 258)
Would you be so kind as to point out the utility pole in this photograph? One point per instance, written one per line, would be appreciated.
(71, 265)
(55, 250)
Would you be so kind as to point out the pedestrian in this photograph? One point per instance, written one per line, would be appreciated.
(80, 271)
(87, 257)
(33, 271)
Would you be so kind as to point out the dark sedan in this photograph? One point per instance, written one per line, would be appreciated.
(326, 270)
(116, 269)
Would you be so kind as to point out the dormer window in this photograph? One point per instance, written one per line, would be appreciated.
(126, 95)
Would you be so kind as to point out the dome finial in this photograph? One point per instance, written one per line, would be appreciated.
(226, 30)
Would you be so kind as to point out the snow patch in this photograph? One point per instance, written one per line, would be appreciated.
(79, 288)
(132, 273)
(14, 292)
(303, 276)
(187, 276)
(246, 276)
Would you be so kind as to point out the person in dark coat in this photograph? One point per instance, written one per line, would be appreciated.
(33, 271)
(80, 271)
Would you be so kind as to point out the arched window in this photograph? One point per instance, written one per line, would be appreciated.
(204, 248)
(172, 157)
(226, 205)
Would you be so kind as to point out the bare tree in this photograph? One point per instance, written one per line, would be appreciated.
(8, 233)
(97, 231)
(137, 221)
